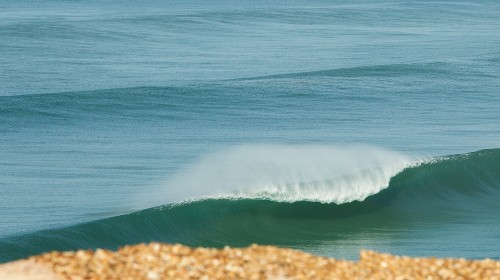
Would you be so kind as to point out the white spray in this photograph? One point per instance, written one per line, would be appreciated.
(321, 173)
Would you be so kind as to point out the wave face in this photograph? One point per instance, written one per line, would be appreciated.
(449, 194)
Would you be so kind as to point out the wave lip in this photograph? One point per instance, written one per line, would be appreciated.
(339, 190)
(287, 173)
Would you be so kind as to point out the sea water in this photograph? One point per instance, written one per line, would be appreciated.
(327, 126)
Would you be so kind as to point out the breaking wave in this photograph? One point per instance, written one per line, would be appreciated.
(247, 195)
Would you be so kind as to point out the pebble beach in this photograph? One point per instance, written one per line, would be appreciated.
(166, 261)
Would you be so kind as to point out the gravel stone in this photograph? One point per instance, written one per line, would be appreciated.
(166, 261)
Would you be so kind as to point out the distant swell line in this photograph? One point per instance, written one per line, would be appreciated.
(383, 70)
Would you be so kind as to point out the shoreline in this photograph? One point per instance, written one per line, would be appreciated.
(173, 261)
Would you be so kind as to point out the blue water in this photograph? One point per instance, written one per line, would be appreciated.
(290, 117)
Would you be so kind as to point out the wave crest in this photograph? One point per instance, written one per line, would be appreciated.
(287, 173)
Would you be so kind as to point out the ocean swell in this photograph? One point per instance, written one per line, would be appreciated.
(429, 194)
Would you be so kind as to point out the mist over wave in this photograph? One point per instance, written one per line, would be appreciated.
(287, 173)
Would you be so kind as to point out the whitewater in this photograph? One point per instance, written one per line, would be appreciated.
(321, 173)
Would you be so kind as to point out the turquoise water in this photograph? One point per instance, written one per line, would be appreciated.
(327, 126)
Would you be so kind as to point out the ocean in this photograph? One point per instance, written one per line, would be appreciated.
(325, 126)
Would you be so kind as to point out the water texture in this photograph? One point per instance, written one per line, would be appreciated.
(327, 126)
